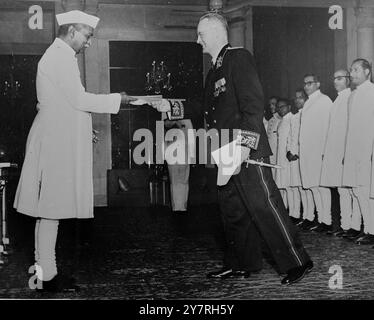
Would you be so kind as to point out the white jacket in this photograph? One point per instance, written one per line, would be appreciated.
(360, 137)
(313, 131)
(294, 148)
(272, 135)
(332, 164)
(282, 176)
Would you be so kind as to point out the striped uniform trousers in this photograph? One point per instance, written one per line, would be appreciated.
(255, 221)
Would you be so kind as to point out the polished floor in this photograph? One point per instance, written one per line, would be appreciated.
(142, 253)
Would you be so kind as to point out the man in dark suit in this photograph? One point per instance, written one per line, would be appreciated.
(251, 205)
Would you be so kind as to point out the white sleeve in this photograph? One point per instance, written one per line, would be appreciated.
(66, 77)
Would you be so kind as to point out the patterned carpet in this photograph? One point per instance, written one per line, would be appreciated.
(141, 253)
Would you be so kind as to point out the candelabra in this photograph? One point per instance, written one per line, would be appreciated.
(11, 87)
(157, 82)
(158, 79)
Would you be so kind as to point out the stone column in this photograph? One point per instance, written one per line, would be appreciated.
(237, 32)
(240, 28)
(365, 33)
(248, 19)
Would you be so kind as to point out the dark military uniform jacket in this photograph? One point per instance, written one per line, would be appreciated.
(233, 99)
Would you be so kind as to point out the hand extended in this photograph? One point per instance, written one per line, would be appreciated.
(291, 157)
(162, 105)
(243, 156)
(125, 99)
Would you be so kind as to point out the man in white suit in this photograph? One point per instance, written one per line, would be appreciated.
(56, 178)
(270, 110)
(332, 165)
(313, 131)
(271, 130)
(282, 176)
(293, 151)
(359, 145)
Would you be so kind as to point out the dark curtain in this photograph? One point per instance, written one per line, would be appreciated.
(289, 43)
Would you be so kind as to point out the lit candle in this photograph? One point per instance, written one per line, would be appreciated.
(169, 79)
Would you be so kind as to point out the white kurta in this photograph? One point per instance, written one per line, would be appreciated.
(265, 123)
(293, 147)
(332, 164)
(313, 131)
(272, 135)
(56, 179)
(360, 137)
(282, 176)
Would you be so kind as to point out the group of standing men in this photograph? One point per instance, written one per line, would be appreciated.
(326, 145)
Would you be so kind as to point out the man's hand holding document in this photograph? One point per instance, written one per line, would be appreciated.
(230, 157)
(143, 100)
(228, 160)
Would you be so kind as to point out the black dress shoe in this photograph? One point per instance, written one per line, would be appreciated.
(314, 226)
(335, 232)
(296, 274)
(366, 239)
(180, 212)
(295, 221)
(59, 283)
(228, 273)
(341, 234)
(351, 233)
(301, 221)
(306, 225)
(356, 236)
(321, 228)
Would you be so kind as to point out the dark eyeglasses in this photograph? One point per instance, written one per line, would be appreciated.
(309, 83)
(341, 77)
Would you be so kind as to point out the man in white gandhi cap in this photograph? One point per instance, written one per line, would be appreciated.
(56, 180)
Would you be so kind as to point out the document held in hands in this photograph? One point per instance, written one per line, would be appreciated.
(142, 100)
(227, 159)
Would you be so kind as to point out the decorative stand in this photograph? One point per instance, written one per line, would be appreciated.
(4, 240)
(158, 82)
(159, 187)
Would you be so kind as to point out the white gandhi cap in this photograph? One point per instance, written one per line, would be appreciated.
(76, 16)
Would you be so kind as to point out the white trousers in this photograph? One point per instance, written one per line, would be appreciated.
(349, 210)
(322, 200)
(283, 193)
(366, 206)
(293, 195)
(308, 209)
(179, 176)
(45, 248)
(308, 203)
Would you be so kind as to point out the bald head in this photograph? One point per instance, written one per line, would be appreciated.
(215, 20)
(212, 33)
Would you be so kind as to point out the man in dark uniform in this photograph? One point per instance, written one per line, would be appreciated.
(251, 205)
